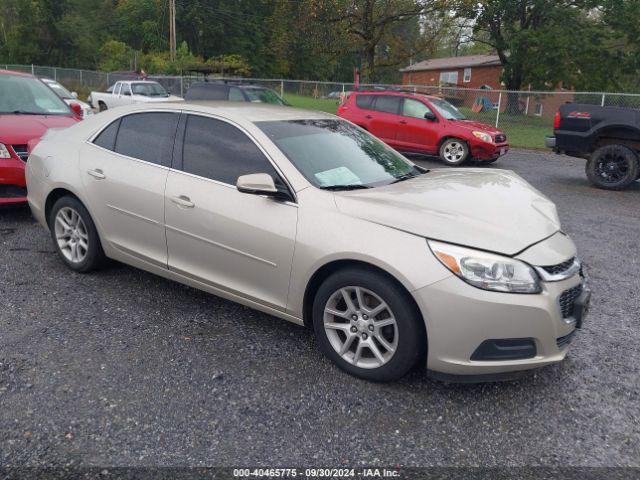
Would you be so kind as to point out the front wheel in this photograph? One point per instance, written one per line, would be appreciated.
(102, 106)
(367, 325)
(454, 152)
(612, 167)
(75, 236)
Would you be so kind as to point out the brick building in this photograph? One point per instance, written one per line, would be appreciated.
(474, 72)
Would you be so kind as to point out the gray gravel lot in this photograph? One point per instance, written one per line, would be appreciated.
(123, 368)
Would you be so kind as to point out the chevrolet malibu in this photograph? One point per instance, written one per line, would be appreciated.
(307, 217)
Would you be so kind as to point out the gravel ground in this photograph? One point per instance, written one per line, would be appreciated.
(123, 368)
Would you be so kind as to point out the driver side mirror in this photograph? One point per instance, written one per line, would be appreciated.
(257, 184)
(430, 116)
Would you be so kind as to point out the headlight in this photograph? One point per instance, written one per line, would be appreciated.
(486, 270)
(485, 137)
(4, 152)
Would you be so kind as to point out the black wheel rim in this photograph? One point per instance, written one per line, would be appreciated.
(612, 167)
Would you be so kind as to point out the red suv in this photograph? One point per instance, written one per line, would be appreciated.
(424, 124)
(28, 108)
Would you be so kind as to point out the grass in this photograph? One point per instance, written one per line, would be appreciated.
(522, 131)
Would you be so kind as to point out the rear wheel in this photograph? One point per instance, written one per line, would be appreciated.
(75, 236)
(613, 167)
(367, 325)
(454, 152)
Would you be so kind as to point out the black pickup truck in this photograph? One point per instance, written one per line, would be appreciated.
(608, 137)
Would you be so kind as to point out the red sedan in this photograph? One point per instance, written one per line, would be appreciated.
(28, 108)
(424, 124)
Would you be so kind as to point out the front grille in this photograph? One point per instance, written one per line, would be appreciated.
(21, 151)
(565, 340)
(501, 138)
(12, 191)
(559, 268)
(567, 299)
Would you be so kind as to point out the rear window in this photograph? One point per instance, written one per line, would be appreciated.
(364, 101)
(210, 91)
(388, 104)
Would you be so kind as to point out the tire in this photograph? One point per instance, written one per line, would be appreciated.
(454, 152)
(612, 167)
(405, 339)
(102, 106)
(74, 235)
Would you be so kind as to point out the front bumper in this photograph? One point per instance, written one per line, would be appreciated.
(12, 181)
(460, 317)
(488, 151)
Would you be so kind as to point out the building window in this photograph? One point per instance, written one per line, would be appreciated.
(449, 78)
(538, 109)
(467, 75)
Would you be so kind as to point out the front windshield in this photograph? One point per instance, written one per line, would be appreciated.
(447, 110)
(29, 96)
(335, 153)
(149, 90)
(264, 95)
(60, 90)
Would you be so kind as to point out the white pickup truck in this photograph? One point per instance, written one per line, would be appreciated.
(130, 92)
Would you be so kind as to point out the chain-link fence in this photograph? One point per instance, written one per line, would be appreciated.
(525, 116)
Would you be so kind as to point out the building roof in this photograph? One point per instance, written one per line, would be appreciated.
(454, 62)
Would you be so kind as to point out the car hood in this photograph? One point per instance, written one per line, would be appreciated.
(492, 210)
(473, 125)
(20, 129)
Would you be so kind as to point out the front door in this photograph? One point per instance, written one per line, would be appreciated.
(124, 173)
(238, 242)
(415, 133)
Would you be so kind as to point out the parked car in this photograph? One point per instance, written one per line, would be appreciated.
(69, 97)
(27, 109)
(416, 123)
(608, 137)
(129, 93)
(203, 91)
(309, 218)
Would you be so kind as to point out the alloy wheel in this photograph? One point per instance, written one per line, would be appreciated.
(453, 152)
(71, 234)
(612, 167)
(361, 327)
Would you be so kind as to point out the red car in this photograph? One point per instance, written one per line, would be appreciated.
(416, 123)
(27, 109)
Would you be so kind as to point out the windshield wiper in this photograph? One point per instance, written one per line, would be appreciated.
(24, 112)
(416, 173)
(345, 187)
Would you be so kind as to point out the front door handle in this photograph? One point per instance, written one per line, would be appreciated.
(97, 173)
(403, 122)
(183, 201)
(368, 117)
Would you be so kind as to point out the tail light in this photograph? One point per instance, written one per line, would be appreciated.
(556, 120)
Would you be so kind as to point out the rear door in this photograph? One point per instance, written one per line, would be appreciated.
(415, 133)
(386, 118)
(124, 172)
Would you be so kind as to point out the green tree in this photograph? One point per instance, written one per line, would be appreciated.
(115, 55)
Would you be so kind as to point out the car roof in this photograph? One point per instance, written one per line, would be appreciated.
(236, 111)
(220, 84)
(18, 74)
(397, 93)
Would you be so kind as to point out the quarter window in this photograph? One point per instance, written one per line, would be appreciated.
(414, 108)
(388, 104)
(148, 136)
(107, 138)
(219, 151)
(364, 101)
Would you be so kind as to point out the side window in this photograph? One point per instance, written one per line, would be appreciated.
(414, 108)
(219, 151)
(148, 136)
(388, 104)
(126, 89)
(116, 89)
(235, 95)
(364, 101)
(107, 138)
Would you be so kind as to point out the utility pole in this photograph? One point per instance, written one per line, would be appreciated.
(172, 29)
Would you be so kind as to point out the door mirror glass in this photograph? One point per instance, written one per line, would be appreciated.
(430, 116)
(257, 183)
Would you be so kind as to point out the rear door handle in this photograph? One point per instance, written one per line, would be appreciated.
(97, 173)
(368, 117)
(183, 201)
(403, 122)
